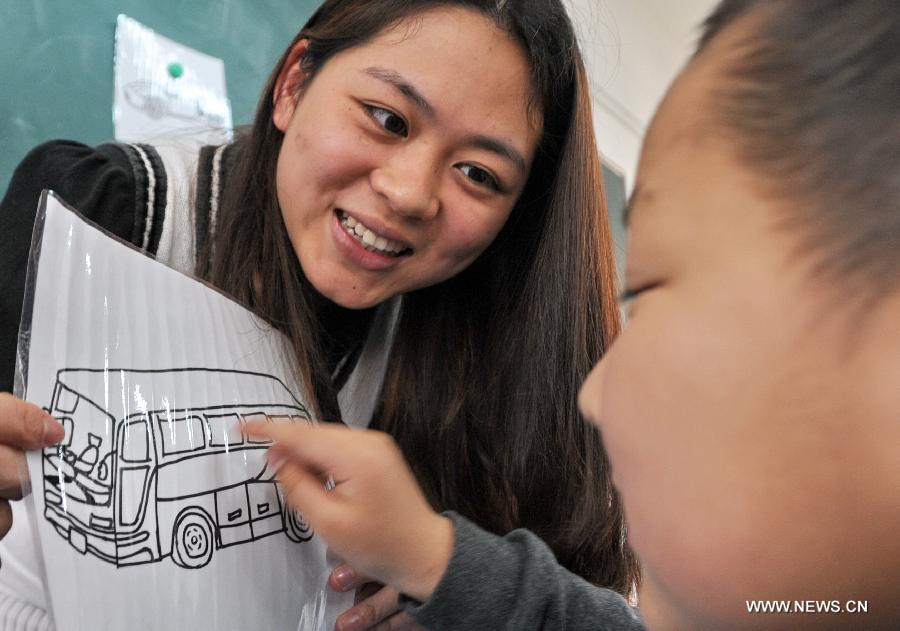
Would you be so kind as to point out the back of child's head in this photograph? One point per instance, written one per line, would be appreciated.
(811, 103)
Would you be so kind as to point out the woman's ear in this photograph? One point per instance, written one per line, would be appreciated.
(287, 86)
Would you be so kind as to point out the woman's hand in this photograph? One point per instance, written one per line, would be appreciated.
(377, 606)
(23, 426)
(375, 516)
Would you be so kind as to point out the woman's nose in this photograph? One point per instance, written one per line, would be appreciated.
(408, 182)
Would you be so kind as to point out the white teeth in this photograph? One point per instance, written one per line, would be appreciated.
(373, 242)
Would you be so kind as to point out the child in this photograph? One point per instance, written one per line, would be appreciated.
(752, 406)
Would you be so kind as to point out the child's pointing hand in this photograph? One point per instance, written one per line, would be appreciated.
(375, 517)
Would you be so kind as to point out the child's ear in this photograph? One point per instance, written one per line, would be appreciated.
(287, 87)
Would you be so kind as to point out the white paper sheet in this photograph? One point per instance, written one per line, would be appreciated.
(158, 513)
(151, 101)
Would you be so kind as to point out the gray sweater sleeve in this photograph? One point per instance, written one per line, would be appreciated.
(515, 582)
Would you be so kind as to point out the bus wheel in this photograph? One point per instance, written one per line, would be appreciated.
(192, 540)
(296, 527)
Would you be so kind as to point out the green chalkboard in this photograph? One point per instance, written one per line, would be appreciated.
(56, 60)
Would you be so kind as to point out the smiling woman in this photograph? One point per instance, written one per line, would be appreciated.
(418, 207)
(392, 176)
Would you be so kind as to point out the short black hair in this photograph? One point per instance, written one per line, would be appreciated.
(813, 102)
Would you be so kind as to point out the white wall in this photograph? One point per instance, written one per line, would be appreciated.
(633, 49)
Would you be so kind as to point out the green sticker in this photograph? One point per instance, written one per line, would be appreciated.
(175, 69)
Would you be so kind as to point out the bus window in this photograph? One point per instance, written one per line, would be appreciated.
(66, 400)
(135, 442)
(256, 418)
(67, 424)
(181, 434)
(224, 430)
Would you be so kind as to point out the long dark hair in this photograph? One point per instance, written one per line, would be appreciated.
(482, 381)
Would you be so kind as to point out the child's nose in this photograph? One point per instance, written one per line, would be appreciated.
(590, 397)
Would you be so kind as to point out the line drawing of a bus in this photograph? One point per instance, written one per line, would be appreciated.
(171, 473)
(158, 101)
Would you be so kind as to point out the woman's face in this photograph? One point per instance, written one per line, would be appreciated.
(745, 427)
(404, 156)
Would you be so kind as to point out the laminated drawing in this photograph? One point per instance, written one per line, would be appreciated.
(172, 480)
(156, 511)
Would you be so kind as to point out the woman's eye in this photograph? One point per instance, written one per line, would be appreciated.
(389, 120)
(479, 176)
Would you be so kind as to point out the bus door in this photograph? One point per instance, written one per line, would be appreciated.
(233, 515)
(265, 508)
(135, 460)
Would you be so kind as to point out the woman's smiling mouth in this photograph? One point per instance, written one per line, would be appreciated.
(369, 239)
(365, 248)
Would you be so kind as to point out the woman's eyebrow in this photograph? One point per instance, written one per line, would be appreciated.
(500, 148)
(487, 143)
(401, 85)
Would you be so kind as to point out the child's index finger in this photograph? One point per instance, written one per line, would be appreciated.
(279, 432)
(318, 446)
(254, 428)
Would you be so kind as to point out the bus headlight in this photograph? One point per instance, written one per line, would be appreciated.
(101, 523)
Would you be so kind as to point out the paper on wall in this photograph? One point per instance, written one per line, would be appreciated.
(156, 511)
(166, 89)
